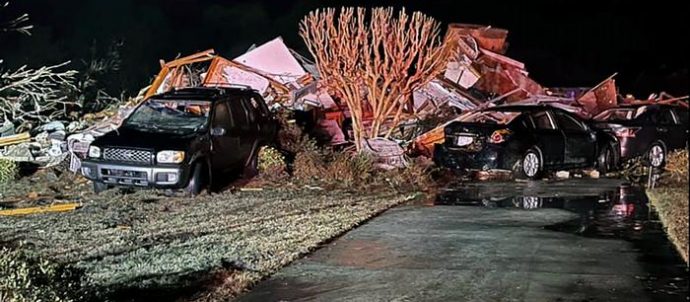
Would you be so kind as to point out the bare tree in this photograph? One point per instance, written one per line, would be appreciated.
(374, 66)
(17, 24)
(33, 94)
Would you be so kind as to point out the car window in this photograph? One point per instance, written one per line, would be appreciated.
(221, 117)
(522, 122)
(568, 123)
(663, 117)
(682, 116)
(249, 109)
(542, 120)
(170, 115)
(239, 114)
(259, 105)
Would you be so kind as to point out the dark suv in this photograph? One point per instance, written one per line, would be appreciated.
(185, 139)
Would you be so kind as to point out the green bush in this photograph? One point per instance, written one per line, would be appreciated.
(27, 278)
(8, 171)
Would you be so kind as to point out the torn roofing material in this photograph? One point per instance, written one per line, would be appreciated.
(274, 60)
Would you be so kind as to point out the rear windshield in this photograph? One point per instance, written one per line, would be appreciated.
(170, 116)
(619, 114)
(490, 117)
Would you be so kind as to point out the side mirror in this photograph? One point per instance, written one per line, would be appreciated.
(218, 131)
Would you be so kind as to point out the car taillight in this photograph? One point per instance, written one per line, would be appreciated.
(498, 136)
(626, 132)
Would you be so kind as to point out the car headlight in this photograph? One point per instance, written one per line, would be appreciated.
(170, 157)
(94, 152)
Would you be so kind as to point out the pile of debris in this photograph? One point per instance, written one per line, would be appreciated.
(477, 75)
(60, 142)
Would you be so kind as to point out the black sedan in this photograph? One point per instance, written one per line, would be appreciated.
(528, 139)
(646, 130)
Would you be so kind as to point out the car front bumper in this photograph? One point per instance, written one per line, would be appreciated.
(118, 174)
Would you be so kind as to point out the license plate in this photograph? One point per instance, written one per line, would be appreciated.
(463, 140)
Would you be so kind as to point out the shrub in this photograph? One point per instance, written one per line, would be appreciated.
(26, 278)
(417, 176)
(8, 171)
(272, 165)
(677, 167)
(309, 166)
(351, 169)
(291, 138)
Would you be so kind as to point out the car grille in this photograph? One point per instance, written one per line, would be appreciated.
(128, 155)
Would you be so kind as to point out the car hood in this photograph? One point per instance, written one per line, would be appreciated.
(133, 138)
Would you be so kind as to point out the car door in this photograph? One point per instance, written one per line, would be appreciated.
(549, 139)
(224, 142)
(682, 122)
(245, 128)
(662, 122)
(267, 125)
(678, 130)
(580, 141)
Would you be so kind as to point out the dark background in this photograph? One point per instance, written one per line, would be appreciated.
(563, 43)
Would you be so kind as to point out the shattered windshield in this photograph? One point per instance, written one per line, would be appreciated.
(184, 116)
(619, 114)
(491, 117)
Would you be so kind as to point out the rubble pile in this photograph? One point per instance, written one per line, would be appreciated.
(60, 142)
(478, 74)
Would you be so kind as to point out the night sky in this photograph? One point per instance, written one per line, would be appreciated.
(563, 43)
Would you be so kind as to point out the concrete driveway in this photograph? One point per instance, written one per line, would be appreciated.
(547, 245)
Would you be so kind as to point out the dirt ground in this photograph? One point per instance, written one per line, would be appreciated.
(146, 244)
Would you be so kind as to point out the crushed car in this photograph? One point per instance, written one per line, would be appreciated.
(527, 139)
(648, 130)
(188, 139)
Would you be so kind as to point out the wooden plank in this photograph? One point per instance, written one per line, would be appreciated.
(60, 207)
(14, 139)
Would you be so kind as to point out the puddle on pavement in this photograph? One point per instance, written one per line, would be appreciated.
(621, 212)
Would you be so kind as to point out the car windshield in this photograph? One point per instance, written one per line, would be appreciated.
(619, 114)
(490, 117)
(180, 116)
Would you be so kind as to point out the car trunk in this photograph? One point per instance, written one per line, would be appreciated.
(470, 137)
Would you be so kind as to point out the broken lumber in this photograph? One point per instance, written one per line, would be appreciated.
(14, 139)
(61, 207)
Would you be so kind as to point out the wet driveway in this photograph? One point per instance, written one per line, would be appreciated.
(575, 240)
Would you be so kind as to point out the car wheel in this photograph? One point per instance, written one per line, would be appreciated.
(196, 182)
(606, 160)
(99, 187)
(531, 164)
(656, 156)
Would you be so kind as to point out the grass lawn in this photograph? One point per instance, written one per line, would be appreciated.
(220, 244)
(672, 205)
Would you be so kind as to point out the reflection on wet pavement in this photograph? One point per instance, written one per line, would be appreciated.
(622, 212)
(576, 240)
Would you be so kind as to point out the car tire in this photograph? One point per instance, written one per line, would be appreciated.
(606, 160)
(99, 187)
(531, 165)
(656, 156)
(196, 182)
